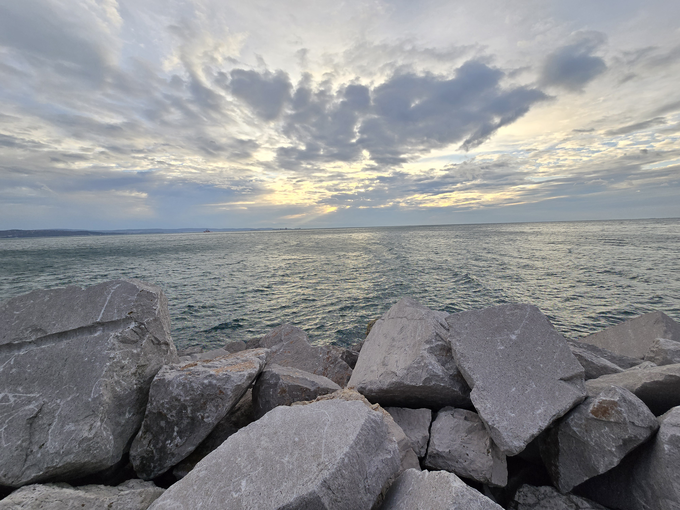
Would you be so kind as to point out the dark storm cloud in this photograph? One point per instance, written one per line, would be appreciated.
(573, 66)
(265, 93)
(638, 126)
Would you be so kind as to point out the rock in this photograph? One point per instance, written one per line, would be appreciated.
(205, 355)
(241, 415)
(194, 349)
(648, 477)
(634, 337)
(434, 490)
(664, 352)
(76, 369)
(370, 325)
(328, 454)
(522, 374)
(617, 359)
(406, 361)
(131, 495)
(593, 365)
(351, 355)
(291, 348)
(281, 386)
(186, 401)
(596, 436)
(657, 387)
(460, 443)
(236, 346)
(416, 425)
(547, 498)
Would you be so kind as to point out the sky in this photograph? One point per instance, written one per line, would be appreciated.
(312, 113)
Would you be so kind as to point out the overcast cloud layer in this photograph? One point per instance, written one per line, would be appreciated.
(205, 113)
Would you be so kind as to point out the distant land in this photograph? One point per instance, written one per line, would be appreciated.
(7, 234)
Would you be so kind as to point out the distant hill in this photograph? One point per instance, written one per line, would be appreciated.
(7, 234)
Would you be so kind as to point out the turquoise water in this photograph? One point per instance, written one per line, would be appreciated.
(234, 286)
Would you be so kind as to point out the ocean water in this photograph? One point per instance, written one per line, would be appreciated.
(221, 287)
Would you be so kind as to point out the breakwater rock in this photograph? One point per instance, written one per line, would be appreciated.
(480, 409)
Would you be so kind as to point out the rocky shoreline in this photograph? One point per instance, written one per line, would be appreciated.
(480, 409)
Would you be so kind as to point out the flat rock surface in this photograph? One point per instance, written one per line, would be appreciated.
(76, 369)
(460, 443)
(291, 348)
(634, 337)
(522, 374)
(416, 425)
(328, 454)
(406, 361)
(529, 497)
(131, 495)
(593, 365)
(186, 402)
(434, 490)
(657, 387)
(595, 436)
(664, 352)
(647, 478)
(281, 386)
(617, 359)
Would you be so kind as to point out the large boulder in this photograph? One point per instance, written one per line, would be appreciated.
(434, 490)
(529, 497)
(327, 454)
(522, 374)
(619, 360)
(281, 386)
(593, 365)
(186, 401)
(634, 337)
(657, 387)
(291, 348)
(416, 425)
(664, 352)
(130, 495)
(76, 365)
(647, 478)
(406, 361)
(596, 436)
(460, 443)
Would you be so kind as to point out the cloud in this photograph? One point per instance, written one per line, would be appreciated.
(638, 126)
(266, 93)
(573, 66)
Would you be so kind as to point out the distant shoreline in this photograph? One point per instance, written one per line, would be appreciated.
(19, 234)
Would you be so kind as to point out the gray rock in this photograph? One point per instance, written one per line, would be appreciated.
(241, 415)
(281, 386)
(596, 436)
(205, 355)
(75, 370)
(617, 359)
(529, 497)
(642, 366)
(131, 495)
(522, 374)
(186, 401)
(416, 425)
(194, 349)
(406, 361)
(593, 365)
(291, 348)
(657, 387)
(460, 443)
(327, 454)
(664, 352)
(235, 346)
(647, 478)
(434, 490)
(634, 337)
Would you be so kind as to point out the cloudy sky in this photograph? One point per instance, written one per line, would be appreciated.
(313, 113)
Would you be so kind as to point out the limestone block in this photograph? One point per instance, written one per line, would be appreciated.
(186, 401)
(595, 436)
(522, 374)
(529, 497)
(406, 361)
(416, 425)
(648, 477)
(131, 495)
(634, 337)
(75, 370)
(664, 352)
(281, 386)
(291, 348)
(657, 387)
(434, 490)
(328, 454)
(460, 443)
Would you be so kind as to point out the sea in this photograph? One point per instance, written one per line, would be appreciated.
(227, 286)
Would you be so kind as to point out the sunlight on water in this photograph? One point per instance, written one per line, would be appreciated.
(235, 286)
